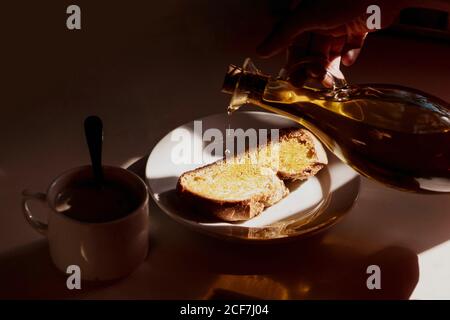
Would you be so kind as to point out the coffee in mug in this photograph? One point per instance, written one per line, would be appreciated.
(87, 201)
(104, 230)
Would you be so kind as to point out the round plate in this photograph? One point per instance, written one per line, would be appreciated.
(311, 206)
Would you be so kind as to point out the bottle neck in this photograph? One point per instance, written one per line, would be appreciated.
(250, 87)
(244, 85)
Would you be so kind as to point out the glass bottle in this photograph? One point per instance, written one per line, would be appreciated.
(395, 135)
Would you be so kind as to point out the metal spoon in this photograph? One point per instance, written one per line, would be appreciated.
(93, 130)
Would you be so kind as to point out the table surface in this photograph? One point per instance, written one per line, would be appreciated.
(145, 70)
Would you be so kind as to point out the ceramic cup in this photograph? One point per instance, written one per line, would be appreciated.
(103, 251)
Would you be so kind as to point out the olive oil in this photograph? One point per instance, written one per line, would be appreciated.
(398, 136)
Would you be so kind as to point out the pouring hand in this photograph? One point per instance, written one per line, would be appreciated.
(326, 30)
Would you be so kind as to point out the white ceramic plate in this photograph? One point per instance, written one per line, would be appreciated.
(311, 206)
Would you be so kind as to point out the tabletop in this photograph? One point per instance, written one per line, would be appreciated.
(147, 68)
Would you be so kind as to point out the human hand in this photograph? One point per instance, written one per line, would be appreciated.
(318, 34)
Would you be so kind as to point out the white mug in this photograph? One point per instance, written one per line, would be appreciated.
(105, 250)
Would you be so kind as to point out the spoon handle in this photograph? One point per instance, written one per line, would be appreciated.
(93, 130)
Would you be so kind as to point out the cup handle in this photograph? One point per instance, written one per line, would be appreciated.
(36, 224)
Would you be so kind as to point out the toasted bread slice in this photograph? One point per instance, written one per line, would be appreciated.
(240, 188)
(301, 155)
(232, 192)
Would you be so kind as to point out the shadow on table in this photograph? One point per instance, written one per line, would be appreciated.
(306, 269)
(28, 273)
(201, 267)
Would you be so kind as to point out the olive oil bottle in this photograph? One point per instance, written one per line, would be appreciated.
(395, 135)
